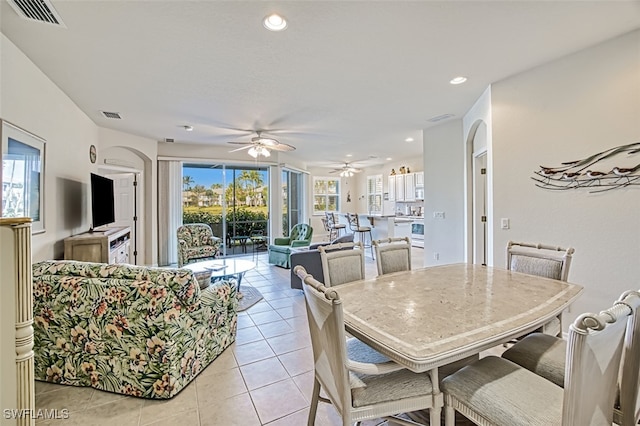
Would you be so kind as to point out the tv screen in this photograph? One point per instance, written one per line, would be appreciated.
(102, 202)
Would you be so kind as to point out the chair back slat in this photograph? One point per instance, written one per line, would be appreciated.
(326, 326)
(342, 266)
(539, 259)
(594, 353)
(393, 255)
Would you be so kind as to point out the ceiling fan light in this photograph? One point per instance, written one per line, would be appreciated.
(253, 152)
(265, 152)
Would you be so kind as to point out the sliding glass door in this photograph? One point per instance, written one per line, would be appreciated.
(233, 200)
(292, 200)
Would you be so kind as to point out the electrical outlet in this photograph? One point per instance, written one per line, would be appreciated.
(438, 215)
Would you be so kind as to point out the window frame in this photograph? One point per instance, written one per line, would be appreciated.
(326, 194)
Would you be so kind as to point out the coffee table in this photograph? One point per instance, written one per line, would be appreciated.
(223, 268)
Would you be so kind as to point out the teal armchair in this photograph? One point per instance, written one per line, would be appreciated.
(280, 250)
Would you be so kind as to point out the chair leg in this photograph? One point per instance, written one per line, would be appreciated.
(315, 396)
(371, 244)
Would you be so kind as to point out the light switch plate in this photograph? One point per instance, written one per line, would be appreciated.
(438, 215)
(504, 223)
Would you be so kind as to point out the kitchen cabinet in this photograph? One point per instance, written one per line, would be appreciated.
(400, 187)
(391, 189)
(403, 187)
(409, 187)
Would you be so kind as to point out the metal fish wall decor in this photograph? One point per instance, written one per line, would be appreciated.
(611, 169)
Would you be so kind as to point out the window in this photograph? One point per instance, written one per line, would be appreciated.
(374, 194)
(326, 195)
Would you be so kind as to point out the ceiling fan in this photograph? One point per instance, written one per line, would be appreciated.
(262, 145)
(347, 170)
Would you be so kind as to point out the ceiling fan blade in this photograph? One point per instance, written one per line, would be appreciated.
(241, 143)
(354, 170)
(282, 147)
(241, 148)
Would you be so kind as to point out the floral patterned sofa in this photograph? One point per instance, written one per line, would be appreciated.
(127, 329)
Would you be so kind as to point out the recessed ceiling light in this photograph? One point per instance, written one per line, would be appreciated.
(389, 158)
(349, 155)
(408, 140)
(275, 22)
(458, 80)
(188, 128)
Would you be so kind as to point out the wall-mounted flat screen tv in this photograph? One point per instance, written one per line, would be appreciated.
(102, 201)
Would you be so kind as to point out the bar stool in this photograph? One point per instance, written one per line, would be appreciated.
(334, 225)
(332, 231)
(354, 225)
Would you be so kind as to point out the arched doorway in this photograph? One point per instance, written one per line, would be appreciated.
(477, 194)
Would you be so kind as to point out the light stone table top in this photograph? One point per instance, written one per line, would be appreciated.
(429, 317)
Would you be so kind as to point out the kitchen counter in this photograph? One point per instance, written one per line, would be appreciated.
(389, 226)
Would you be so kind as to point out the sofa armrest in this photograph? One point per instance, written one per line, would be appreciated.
(300, 243)
(281, 241)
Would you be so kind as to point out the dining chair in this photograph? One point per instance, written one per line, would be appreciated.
(545, 261)
(545, 356)
(393, 255)
(341, 265)
(496, 391)
(359, 382)
(354, 225)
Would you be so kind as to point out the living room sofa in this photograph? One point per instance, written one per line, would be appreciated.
(310, 260)
(127, 329)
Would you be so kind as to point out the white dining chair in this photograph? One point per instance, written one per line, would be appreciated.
(340, 265)
(496, 391)
(359, 382)
(392, 255)
(544, 261)
(545, 356)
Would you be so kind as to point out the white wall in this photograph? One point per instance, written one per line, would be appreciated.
(444, 191)
(563, 111)
(30, 100)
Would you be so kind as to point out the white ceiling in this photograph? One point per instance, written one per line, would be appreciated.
(345, 77)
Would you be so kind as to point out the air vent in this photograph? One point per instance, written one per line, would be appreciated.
(37, 10)
(115, 115)
(169, 140)
(440, 118)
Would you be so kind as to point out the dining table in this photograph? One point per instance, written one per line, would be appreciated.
(430, 317)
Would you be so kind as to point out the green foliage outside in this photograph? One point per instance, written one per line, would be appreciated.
(242, 221)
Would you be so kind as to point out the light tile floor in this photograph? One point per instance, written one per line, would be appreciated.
(264, 378)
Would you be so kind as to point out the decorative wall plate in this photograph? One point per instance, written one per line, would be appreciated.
(92, 153)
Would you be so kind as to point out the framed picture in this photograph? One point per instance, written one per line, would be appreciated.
(22, 175)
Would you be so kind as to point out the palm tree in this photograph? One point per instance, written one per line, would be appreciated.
(250, 180)
(198, 190)
(186, 182)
